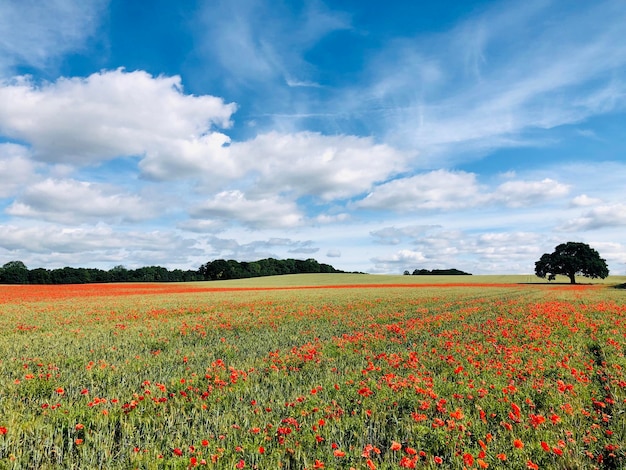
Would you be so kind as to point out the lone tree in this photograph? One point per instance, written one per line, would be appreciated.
(570, 259)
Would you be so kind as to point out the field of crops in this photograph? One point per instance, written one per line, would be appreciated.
(251, 375)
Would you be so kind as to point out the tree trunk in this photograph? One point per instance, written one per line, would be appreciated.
(572, 278)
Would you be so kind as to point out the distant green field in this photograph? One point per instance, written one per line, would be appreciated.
(292, 280)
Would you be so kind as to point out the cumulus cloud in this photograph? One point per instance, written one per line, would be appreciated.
(16, 169)
(304, 248)
(614, 253)
(584, 201)
(261, 212)
(309, 163)
(230, 248)
(506, 247)
(205, 158)
(609, 215)
(111, 114)
(525, 193)
(297, 164)
(84, 121)
(53, 245)
(332, 218)
(398, 262)
(203, 225)
(441, 189)
(476, 253)
(72, 201)
(395, 235)
(446, 190)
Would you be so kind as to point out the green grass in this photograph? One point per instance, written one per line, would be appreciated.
(292, 280)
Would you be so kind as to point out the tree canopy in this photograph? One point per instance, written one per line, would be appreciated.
(571, 259)
(16, 272)
(221, 269)
(440, 272)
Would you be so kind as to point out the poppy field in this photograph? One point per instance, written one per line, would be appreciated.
(313, 377)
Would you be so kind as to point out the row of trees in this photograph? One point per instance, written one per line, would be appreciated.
(437, 272)
(231, 269)
(16, 272)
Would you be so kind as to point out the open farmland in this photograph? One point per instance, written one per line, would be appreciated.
(297, 373)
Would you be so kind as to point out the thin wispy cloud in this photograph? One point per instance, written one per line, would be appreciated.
(40, 34)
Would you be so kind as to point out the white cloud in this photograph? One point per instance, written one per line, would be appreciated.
(83, 121)
(236, 207)
(306, 248)
(399, 261)
(447, 190)
(436, 190)
(584, 201)
(615, 255)
(506, 247)
(53, 245)
(203, 225)
(604, 216)
(204, 158)
(329, 219)
(334, 253)
(72, 201)
(16, 169)
(396, 235)
(307, 163)
(509, 252)
(254, 249)
(525, 193)
(111, 114)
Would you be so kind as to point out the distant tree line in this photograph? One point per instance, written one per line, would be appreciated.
(437, 272)
(231, 269)
(16, 272)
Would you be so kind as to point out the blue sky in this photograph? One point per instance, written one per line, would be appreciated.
(373, 136)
